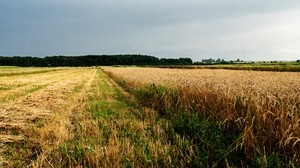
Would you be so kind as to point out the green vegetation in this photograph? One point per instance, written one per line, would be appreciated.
(200, 138)
(22, 151)
(117, 132)
(91, 60)
(142, 60)
(25, 91)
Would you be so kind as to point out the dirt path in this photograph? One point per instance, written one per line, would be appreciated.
(22, 117)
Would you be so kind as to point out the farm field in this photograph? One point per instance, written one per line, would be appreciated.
(79, 117)
(259, 110)
(35, 109)
(276, 66)
(148, 117)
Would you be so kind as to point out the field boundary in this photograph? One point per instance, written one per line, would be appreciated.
(273, 68)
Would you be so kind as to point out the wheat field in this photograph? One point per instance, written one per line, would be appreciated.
(263, 106)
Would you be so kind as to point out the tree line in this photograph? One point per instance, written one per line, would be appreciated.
(91, 60)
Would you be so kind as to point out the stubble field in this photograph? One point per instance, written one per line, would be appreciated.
(72, 117)
(35, 109)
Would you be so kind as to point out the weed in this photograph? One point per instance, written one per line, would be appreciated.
(21, 152)
(78, 88)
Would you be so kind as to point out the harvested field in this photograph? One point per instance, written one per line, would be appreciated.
(28, 102)
(10, 70)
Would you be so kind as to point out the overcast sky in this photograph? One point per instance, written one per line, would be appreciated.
(199, 29)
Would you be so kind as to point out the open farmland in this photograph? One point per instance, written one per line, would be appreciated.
(80, 117)
(258, 110)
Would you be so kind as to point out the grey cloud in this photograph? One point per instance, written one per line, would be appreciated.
(192, 28)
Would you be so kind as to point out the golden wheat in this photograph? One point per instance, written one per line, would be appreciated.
(263, 105)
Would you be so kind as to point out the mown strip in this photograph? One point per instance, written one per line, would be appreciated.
(24, 92)
(39, 122)
(28, 72)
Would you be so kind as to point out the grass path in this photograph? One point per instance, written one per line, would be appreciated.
(113, 131)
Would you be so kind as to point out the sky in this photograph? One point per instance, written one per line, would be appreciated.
(253, 30)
